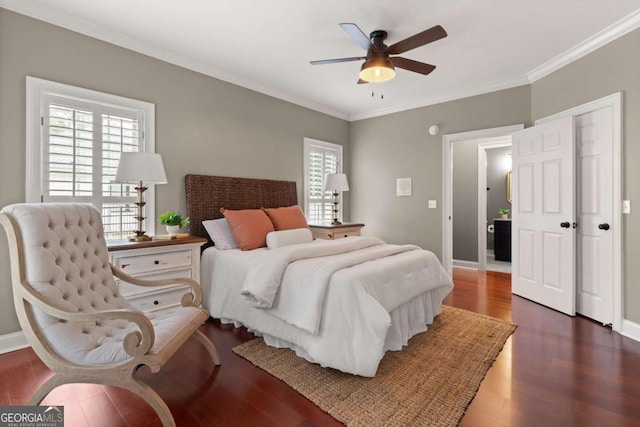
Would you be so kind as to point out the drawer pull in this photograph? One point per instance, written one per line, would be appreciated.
(156, 302)
(124, 265)
(156, 262)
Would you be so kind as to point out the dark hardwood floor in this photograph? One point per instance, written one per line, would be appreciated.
(554, 371)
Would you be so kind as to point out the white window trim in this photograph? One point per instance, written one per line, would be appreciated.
(308, 142)
(37, 89)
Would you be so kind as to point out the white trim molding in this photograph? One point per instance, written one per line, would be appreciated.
(12, 342)
(612, 32)
(630, 330)
(469, 265)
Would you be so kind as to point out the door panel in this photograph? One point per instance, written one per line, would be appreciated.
(543, 173)
(594, 153)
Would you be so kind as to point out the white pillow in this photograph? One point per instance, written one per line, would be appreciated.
(278, 239)
(220, 233)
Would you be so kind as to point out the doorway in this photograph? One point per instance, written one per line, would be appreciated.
(489, 135)
(494, 188)
(481, 235)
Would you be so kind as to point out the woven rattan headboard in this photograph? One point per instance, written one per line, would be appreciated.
(207, 194)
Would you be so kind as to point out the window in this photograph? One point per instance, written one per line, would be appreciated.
(74, 140)
(320, 159)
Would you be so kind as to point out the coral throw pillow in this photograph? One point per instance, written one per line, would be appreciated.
(288, 218)
(249, 227)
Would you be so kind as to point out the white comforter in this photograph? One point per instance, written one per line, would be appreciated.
(339, 303)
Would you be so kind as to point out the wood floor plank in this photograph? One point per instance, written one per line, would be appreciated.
(554, 370)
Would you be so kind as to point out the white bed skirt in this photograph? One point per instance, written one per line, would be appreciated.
(406, 321)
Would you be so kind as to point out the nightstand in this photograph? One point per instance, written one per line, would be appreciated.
(332, 232)
(157, 259)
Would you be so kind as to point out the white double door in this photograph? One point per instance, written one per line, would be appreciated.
(563, 214)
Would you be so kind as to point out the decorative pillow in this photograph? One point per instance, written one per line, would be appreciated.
(249, 227)
(220, 233)
(288, 218)
(278, 239)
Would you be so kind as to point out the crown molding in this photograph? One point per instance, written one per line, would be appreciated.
(612, 32)
(451, 96)
(48, 14)
(54, 17)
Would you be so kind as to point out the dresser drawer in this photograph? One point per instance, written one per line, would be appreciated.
(335, 233)
(139, 264)
(128, 290)
(159, 301)
(345, 233)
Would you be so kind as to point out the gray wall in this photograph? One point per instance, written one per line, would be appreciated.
(497, 168)
(399, 146)
(203, 125)
(612, 68)
(465, 200)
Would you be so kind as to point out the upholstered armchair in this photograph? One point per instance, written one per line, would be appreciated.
(71, 312)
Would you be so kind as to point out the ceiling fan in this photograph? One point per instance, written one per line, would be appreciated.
(379, 65)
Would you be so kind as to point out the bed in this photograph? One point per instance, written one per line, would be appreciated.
(364, 297)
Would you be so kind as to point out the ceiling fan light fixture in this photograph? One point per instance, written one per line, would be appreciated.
(377, 70)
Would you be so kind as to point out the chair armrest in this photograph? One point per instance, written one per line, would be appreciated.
(135, 344)
(193, 298)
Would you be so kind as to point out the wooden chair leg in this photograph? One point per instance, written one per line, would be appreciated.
(211, 348)
(153, 399)
(46, 387)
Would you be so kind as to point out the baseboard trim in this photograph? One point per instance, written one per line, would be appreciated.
(469, 265)
(630, 330)
(12, 342)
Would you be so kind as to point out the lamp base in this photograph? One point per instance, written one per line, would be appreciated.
(143, 238)
(336, 222)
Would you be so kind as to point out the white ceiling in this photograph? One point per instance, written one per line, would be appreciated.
(267, 45)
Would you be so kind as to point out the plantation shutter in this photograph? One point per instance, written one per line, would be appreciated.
(321, 159)
(82, 146)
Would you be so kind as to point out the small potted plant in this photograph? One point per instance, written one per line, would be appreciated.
(173, 221)
(504, 213)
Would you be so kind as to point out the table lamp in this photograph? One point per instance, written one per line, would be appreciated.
(139, 168)
(336, 182)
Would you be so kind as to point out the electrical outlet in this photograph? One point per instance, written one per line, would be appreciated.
(433, 204)
(626, 206)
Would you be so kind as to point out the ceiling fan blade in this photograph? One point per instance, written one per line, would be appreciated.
(335, 61)
(417, 40)
(411, 65)
(357, 35)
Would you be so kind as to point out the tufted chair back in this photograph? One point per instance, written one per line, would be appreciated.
(66, 262)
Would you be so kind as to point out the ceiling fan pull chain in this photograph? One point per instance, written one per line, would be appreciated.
(373, 94)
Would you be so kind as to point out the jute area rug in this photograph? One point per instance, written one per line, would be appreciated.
(429, 383)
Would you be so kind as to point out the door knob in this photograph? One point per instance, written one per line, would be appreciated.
(604, 226)
(565, 224)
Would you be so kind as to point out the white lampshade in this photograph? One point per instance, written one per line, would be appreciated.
(138, 166)
(336, 182)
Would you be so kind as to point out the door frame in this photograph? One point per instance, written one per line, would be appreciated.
(615, 102)
(447, 182)
(499, 142)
